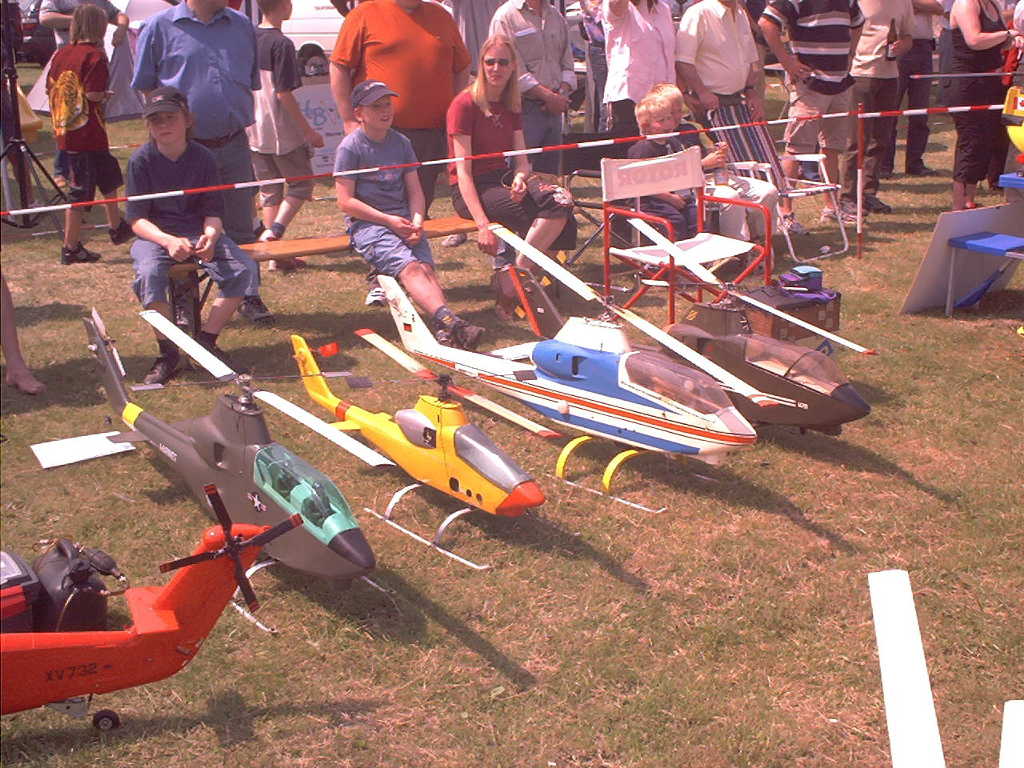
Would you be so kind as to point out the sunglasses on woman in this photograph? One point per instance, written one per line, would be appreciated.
(498, 62)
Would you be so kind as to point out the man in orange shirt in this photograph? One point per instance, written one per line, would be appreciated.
(414, 47)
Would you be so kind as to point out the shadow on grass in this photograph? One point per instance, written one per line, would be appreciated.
(402, 616)
(227, 714)
(737, 491)
(851, 456)
(543, 535)
(1001, 305)
(25, 316)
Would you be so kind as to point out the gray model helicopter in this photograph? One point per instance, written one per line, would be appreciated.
(260, 481)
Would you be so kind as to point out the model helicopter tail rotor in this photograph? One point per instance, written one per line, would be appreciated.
(233, 545)
(560, 273)
(708, 277)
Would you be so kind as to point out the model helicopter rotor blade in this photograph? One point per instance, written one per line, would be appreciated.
(414, 367)
(190, 346)
(322, 428)
(556, 270)
(221, 511)
(181, 562)
(244, 585)
(707, 276)
(262, 539)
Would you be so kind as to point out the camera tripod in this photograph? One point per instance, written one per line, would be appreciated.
(27, 170)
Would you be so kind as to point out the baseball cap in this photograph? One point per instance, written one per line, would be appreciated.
(369, 91)
(165, 99)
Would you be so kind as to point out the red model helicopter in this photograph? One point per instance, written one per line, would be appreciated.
(64, 655)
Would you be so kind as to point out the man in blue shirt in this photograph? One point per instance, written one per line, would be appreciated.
(208, 51)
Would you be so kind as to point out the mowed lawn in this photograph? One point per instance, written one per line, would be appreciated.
(731, 629)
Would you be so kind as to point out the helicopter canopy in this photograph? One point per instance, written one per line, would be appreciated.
(680, 383)
(804, 366)
(477, 450)
(299, 488)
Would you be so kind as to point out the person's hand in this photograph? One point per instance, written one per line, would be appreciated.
(179, 248)
(417, 233)
(486, 240)
(401, 226)
(119, 35)
(556, 103)
(717, 157)
(677, 201)
(204, 245)
(901, 46)
(314, 139)
(796, 69)
(518, 189)
(708, 100)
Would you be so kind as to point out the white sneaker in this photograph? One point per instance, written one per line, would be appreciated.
(376, 297)
(454, 240)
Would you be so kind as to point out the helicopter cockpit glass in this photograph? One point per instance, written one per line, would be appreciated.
(804, 366)
(657, 373)
(477, 450)
(417, 428)
(297, 486)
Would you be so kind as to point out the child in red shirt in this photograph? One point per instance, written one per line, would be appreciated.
(77, 87)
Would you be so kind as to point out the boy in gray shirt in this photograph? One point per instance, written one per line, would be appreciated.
(385, 209)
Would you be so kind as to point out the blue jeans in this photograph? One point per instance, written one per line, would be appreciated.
(231, 268)
(541, 129)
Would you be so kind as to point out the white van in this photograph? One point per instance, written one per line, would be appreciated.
(313, 27)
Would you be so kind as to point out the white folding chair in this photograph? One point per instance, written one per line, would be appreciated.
(633, 179)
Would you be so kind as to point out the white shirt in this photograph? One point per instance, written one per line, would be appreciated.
(717, 40)
(639, 46)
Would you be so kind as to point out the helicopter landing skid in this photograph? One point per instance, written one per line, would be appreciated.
(435, 542)
(607, 477)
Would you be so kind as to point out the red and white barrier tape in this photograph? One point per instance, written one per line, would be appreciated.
(511, 153)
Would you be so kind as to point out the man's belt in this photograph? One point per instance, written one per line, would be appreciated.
(220, 141)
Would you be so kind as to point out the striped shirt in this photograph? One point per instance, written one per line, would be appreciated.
(819, 34)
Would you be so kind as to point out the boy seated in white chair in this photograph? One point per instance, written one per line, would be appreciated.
(661, 111)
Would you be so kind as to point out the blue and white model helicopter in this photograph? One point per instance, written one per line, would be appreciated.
(591, 379)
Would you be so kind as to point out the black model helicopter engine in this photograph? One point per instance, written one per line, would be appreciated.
(61, 592)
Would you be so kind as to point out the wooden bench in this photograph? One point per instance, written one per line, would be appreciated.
(1008, 247)
(186, 277)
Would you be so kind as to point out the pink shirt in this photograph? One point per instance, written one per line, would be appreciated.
(640, 48)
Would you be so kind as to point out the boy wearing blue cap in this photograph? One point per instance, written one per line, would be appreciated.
(180, 228)
(385, 210)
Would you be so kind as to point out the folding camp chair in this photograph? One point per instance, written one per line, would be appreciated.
(754, 154)
(633, 179)
(585, 163)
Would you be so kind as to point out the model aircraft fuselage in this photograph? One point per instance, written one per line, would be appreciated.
(261, 482)
(813, 392)
(588, 378)
(435, 444)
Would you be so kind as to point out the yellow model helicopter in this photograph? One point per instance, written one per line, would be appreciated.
(437, 446)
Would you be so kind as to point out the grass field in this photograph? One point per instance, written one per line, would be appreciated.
(733, 629)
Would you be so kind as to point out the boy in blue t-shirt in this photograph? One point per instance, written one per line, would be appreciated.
(182, 227)
(385, 210)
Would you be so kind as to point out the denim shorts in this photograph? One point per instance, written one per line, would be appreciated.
(385, 252)
(231, 268)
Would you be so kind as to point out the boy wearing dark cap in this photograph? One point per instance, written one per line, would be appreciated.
(181, 227)
(385, 210)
